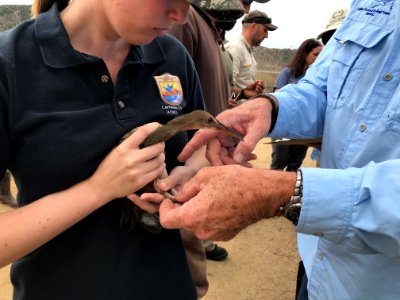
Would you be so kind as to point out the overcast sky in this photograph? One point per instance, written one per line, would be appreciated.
(297, 20)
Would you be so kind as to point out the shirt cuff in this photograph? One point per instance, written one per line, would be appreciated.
(328, 202)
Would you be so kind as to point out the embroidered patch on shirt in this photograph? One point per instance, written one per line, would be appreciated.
(171, 92)
(378, 7)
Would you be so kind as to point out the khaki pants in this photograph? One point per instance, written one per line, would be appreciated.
(197, 261)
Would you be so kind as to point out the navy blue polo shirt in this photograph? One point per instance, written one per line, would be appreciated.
(59, 117)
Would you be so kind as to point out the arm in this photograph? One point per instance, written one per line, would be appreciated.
(253, 89)
(361, 211)
(126, 169)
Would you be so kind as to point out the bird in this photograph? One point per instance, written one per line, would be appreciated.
(131, 213)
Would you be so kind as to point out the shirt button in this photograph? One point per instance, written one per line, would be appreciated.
(104, 78)
(321, 256)
(387, 76)
(363, 127)
(121, 104)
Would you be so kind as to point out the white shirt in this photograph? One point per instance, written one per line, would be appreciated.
(244, 62)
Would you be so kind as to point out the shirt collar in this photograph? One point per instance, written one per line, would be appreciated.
(248, 46)
(58, 52)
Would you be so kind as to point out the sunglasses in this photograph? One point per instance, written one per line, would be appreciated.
(247, 2)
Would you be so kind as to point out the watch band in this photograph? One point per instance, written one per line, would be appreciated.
(292, 209)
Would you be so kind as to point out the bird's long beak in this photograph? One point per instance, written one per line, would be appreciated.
(229, 131)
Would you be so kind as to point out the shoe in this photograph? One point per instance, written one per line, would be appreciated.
(8, 200)
(217, 254)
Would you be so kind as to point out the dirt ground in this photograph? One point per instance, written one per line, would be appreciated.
(262, 261)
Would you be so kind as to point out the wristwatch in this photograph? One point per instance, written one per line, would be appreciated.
(292, 209)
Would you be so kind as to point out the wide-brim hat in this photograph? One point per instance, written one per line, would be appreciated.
(334, 22)
(259, 17)
(223, 10)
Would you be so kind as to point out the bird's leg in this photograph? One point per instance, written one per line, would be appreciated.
(168, 194)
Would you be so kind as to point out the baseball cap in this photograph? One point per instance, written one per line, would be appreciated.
(224, 10)
(259, 17)
(334, 22)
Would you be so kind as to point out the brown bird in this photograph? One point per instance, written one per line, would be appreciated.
(132, 214)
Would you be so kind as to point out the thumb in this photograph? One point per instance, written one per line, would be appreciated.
(170, 214)
(244, 148)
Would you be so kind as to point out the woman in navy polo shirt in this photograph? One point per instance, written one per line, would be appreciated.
(73, 81)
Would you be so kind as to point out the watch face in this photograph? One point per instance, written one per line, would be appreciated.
(292, 213)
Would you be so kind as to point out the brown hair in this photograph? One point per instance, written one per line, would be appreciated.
(39, 6)
(298, 61)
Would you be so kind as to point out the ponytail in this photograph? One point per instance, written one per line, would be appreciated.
(40, 6)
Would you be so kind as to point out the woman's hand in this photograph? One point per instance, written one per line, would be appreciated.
(150, 202)
(127, 168)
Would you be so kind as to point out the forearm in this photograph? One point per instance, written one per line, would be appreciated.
(302, 110)
(272, 190)
(25, 229)
(356, 207)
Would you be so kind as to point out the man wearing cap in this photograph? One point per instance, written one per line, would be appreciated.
(201, 39)
(255, 29)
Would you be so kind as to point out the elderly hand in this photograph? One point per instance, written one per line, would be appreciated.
(220, 201)
(252, 119)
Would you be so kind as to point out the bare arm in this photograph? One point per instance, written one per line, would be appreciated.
(126, 169)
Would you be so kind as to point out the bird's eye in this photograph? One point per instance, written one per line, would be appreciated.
(210, 121)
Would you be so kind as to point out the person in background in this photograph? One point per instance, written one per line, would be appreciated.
(223, 26)
(255, 27)
(346, 213)
(334, 22)
(63, 111)
(290, 157)
(202, 40)
(6, 196)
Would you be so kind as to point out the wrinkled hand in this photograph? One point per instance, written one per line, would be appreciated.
(220, 201)
(127, 168)
(150, 202)
(252, 119)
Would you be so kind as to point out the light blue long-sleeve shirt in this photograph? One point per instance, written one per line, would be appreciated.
(349, 227)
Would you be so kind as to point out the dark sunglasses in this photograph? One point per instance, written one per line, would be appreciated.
(247, 2)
